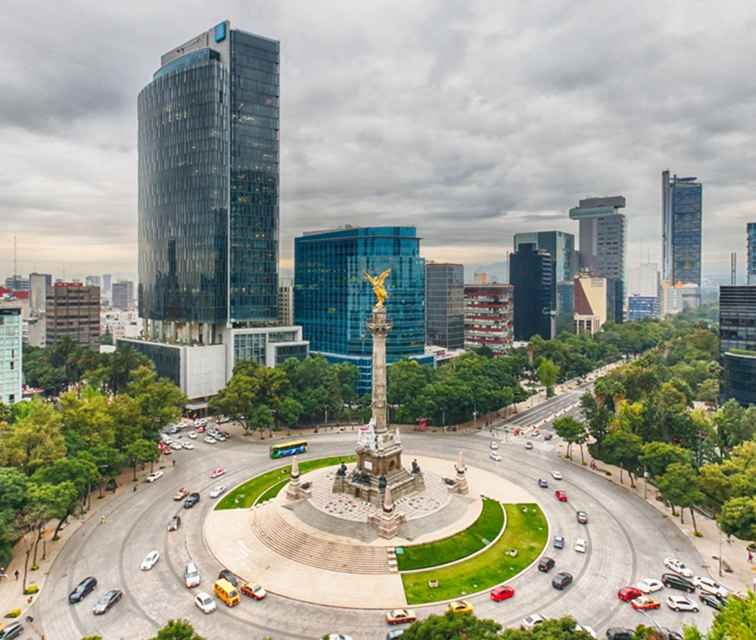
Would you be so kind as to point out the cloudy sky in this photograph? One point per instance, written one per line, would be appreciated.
(472, 120)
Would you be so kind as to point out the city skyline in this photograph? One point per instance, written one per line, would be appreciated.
(472, 148)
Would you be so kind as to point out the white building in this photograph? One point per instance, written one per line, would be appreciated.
(11, 368)
(644, 281)
(120, 324)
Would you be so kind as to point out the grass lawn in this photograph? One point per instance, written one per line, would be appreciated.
(526, 531)
(479, 534)
(258, 486)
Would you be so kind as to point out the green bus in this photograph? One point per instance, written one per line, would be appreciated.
(288, 448)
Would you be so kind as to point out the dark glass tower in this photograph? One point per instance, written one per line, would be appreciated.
(737, 343)
(531, 273)
(208, 186)
(682, 210)
(751, 254)
(445, 304)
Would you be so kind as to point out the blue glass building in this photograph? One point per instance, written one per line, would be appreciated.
(333, 301)
(682, 210)
(642, 307)
(751, 254)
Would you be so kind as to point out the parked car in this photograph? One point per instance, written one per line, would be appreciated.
(192, 500)
(253, 590)
(649, 585)
(150, 560)
(209, 440)
(191, 575)
(707, 585)
(710, 600)
(200, 429)
(561, 496)
(582, 517)
(645, 603)
(546, 564)
(188, 445)
(561, 580)
(681, 603)
(494, 456)
(393, 634)
(176, 446)
(181, 494)
(559, 542)
(217, 472)
(619, 633)
(528, 445)
(502, 592)
(12, 630)
(673, 564)
(544, 484)
(230, 576)
(204, 602)
(556, 475)
(629, 593)
(673, 581)
(82, 590)
(106, 601)
(216, 491)
(192, 435)
(581, 545)
(530, 622)
(548, 435)
(460, 607)
(155, 475)
(400, 616)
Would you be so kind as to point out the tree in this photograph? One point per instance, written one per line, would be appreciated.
(160, 401)
(141, 451)
(115, 373)
(736, 621)
(738, 518)
(657, 456)
(237, 399)
(548, 374)
(708, 391)
(597, 417)
(679, 486)
(177, 630)
(732, 478)
(35, 440)
(86, 420)
(451, 627)
(571, 431)
(622, 449)
(288, 411)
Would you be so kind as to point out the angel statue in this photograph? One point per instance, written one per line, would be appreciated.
(378, 288)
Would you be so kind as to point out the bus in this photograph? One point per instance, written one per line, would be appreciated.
(288, 448)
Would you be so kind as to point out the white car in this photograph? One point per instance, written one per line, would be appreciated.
(581, 545)
(556, 475)
(155, 475)
(681, 603)
(188, 445)
(209, 440)
(216, 491)
(150, 560)
(191, 575)
(707, 585)
(589, 630)
(673, 564)
(338, 636)
(176, 446)
(205, 603)
(528, 623)
(494, 456)
(494, 444)
(192, 435)
(649, 585)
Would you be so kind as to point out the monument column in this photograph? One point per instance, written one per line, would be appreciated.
(379, 326)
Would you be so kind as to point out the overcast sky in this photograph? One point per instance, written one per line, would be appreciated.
(470, 120)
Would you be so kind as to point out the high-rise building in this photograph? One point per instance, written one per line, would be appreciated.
(489, 317)
(445, 304)
(590, 303)
(737, 343)
(682, 208)
(123, 295)
(17, 283)
(642, 307)
(11, 353)
(531, 273)
(40, 283)
(333, 300)
(751, 254)
(603, 246)
(643, 280)
(73, 311)
(285, 302)
(106, 290)
(93, 281)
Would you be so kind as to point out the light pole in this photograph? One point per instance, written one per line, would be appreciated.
(645, 484)
(443, 417)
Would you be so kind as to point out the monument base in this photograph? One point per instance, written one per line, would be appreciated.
(387, 524)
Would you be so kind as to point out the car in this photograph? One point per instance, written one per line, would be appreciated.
(494, 444)
(172, 429)
(394, 633)
(82, 590)
(619, 633)
(581, 545)
(561, 580)
(176, 446)
(546, 564)
(188, 445)
(629, 593)
(13, 630)
(192, 435)
(548, 435)
(181, 494)
(559, 542)
(586, 629)
(204, 602)
(649, 585)
(561, 496)
(191, 575)
(673, 564)
(544, 484)
(556, 475)
(710, 600)
(221, 419)
(645, 603)
(167, 451)
(494, 456)
(253, 590)
(106, 601)
(582, 517)
(528, 445)
(673, 581)
(707, 585)
(174, 524)
(150, 560)
(154, 476)
(460, 607)
(530, 622)
(200, 429)
(338, 636)
(400, 616)
(673, 635)
(502, 592)
(681, 603)
(217, 472)
(216, 491)
(230, 576)
(191, 500)
(209, 440)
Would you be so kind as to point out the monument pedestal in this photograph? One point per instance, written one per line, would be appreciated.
(460, 486)
(388, 520)
(295, 490)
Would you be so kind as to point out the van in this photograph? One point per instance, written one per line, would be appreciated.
(226, 592)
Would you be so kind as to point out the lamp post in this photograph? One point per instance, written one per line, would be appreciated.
(645, 484)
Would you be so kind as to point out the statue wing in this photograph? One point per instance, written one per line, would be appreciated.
(368, 277)
(384, 275)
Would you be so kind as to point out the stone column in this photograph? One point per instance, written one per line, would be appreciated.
(379, 327)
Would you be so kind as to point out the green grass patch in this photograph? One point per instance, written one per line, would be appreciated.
(272, 492)
(526, 531)
(246, 494)
(478, 535)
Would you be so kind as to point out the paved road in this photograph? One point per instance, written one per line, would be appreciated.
(627, 541)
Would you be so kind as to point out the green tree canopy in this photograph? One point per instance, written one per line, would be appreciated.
(679, 486)
(738, 518)
(177, 630)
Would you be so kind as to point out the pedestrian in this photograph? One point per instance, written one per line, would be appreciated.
(135, 488)
(16, 574)
(174, 462)
(750, 557)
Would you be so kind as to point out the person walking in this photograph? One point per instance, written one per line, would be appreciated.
(16, 574)
(750, 557)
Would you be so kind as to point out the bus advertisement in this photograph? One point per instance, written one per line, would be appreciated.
(288, 448)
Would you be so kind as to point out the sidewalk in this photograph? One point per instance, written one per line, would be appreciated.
(734, 554)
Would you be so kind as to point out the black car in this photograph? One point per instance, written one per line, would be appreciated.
(13, 630)
(544, 484)
(619, 633)
(562, 580)
(225, 574)
(107, 600)
(711, 600)
(191, 500)
(582, 517)
(85, 587)
(674, 581)
(546, 564)
(175, 523)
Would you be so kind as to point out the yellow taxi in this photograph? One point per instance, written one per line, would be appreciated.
(460, 607)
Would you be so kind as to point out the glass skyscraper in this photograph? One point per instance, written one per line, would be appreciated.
(751, 254)
(682, 209)
(531, 273)
(445, 304)
(333, 301)
(208, 187)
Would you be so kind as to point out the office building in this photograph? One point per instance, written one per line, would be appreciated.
(489, 318)
(603, 246)
(17, 283)
(285, 302)
(120, 324)
(642, 307)
(445, 304)
(39, 284)
(643, 280)
(751, 254)
(333, 300)
(590, 303)
(737, 343)
(531, 273)
(682, 208)
(72, 311)
(106, 290)
(122, 295)
(11, 353)
(93, 281)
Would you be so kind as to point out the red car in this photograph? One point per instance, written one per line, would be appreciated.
(217, 472)
(503, 592)
(645, 602)
(561, 496)
(629, 593)
(200, 429)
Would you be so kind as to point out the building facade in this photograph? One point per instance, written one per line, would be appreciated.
(333, 300)
(751, 253)
(590, 303)
(445, 305)
(93, 281)
(40, 283)
(682, 212)
(642, 307)
(531, 273)
(17, 283)
(286, 302)
(489, 318)
(123, 295)
(737, 343)
(72, 311)
(11, 354)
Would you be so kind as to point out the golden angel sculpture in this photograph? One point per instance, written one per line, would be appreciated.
(378, 287)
